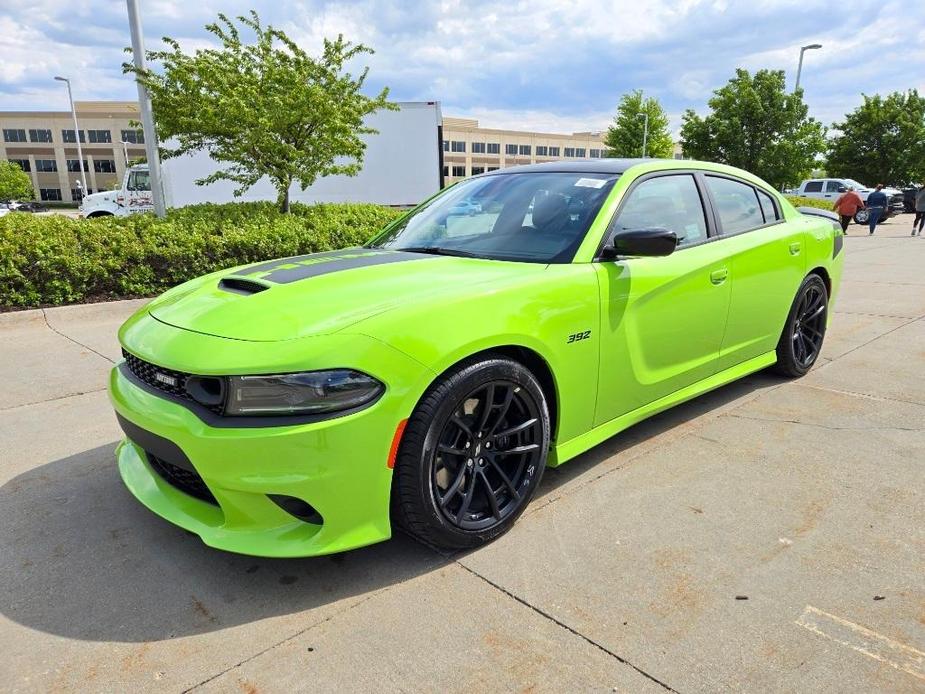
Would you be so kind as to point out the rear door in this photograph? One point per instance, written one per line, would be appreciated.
(662, 319)
(813, 189)
(767, 258)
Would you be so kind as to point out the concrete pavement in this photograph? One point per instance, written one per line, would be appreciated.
(627, 573)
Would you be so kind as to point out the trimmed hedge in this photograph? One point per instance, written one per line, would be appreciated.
(798, 201)
(52, 260)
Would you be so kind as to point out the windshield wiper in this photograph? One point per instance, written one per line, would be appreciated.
(438, 250)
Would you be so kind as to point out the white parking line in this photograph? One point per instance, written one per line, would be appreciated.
(863, 640)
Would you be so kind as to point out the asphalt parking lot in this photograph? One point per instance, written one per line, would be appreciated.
(629, 572)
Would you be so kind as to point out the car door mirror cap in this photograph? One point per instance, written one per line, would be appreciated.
(653, 242)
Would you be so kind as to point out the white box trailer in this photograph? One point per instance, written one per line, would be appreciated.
(403, 165)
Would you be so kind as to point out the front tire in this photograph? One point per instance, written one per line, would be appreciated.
(472, 454)
(801, 342)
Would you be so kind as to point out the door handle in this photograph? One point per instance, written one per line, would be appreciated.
(795, 248)
(719, 276)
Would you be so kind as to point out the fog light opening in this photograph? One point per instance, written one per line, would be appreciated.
(299, 508)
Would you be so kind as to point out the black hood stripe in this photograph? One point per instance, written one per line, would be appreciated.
(302, 267)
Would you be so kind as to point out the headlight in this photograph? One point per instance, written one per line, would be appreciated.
(311, 392)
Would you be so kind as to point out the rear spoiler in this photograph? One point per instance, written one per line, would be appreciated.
(818, 212)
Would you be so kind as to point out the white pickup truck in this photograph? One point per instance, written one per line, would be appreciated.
(831, 188)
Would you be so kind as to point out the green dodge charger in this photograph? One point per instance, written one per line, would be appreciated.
(303, 406)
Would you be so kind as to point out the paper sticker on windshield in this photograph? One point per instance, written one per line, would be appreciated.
(590, 183)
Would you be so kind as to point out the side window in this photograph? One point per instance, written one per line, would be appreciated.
(736, 205)
(666, 202)
(768, 207)
(813, 187)
(139, 180)
(832, 186)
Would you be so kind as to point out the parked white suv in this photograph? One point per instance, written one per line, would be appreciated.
(831, 188)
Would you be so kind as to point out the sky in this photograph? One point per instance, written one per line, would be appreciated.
(534, 65)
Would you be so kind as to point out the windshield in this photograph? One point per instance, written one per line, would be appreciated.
(854, 184)
(528, 217)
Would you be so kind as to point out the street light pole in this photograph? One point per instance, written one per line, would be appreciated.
(124, 151)
(80, 153)
(810, 47)
(147, 117)
(645, 131)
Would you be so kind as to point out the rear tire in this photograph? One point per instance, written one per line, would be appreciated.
(472, 454)
(861, 217)
(804, 332)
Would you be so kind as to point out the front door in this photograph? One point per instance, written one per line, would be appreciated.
(138, 192)
(662, 319)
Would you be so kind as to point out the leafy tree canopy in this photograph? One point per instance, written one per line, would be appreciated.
(756, 125)
(265, 108)
(881, 141)
(15, 183)
(624, 137)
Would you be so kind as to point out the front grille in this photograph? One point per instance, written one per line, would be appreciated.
(187, 481)
(164, 380)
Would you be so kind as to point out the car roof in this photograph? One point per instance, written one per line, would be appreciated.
(611, 166)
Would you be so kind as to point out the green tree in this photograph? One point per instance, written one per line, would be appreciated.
(265, 108)
(15, 184)
(881, 141)
(756, 125)
(624, 137)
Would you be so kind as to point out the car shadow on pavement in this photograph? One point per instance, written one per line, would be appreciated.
(81, 558)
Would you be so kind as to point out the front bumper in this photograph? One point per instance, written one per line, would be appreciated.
(339, 466)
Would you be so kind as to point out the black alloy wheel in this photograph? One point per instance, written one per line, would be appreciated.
(472, 454)
(487, 455)
(804, 333)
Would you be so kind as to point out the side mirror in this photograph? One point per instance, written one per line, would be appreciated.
(641, 242)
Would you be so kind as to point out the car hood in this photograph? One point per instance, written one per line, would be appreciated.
(105, 196)
(322, 293)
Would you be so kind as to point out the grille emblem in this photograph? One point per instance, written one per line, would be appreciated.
(165, 379)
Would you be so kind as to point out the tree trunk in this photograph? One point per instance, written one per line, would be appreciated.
(282, 199)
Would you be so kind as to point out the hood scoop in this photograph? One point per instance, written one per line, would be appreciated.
(241, 285)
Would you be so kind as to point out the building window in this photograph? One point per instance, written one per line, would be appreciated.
(492, 168)
(23, 164)
(457, 146)
(478, 148)
(14, 135)
(542, 151)
(494, 148)
(74, 165)
(104, 165)
(459, 171)
(525, 149)
(39, 135)
(99, 136)
(134, 137)
(77, 194)
(570, 151)
(595, 154)
(446, 145)
(510, 149)
(446, 171)
(50, 194)
(68, 136)
(46, 165)
(554, 151)
(478, 170)
(580, 152)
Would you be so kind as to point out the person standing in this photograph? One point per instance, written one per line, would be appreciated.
(847, 205)
(876, 204)
(919, 211)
